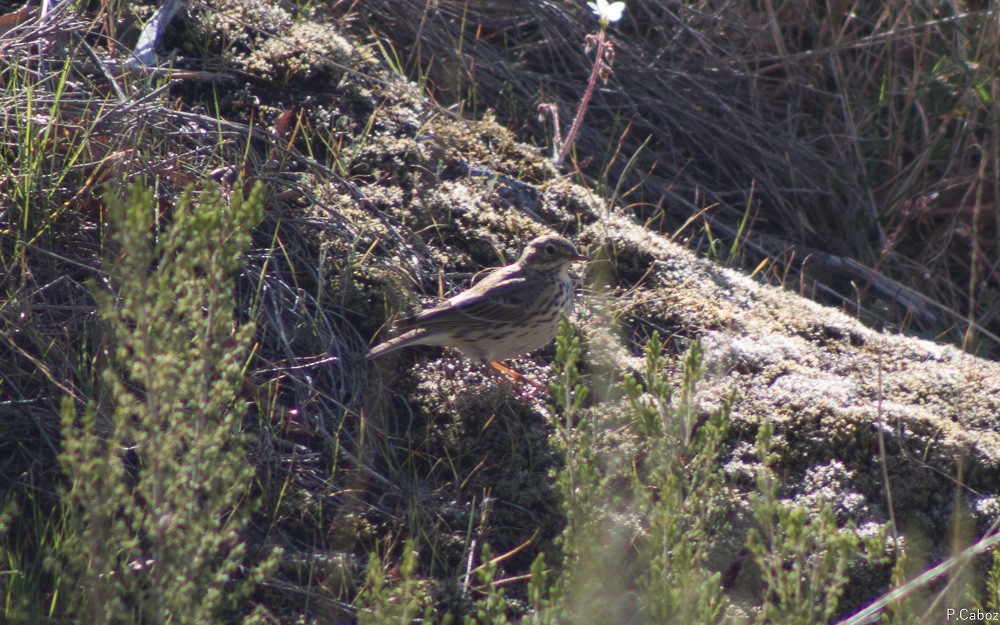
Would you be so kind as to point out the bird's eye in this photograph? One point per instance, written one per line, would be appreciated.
(550, 250)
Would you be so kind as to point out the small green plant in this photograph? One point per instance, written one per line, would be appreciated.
(737, 248)
(582, 485)
(671, 482)
(679, 487)
(27, 529)
(578, 482)
(43, 160)
(538, 599)
(991, 593)
(490, 608)
(399, 601)
(157, 477)
(802, 556)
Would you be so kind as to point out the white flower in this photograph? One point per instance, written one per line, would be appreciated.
(607, 12)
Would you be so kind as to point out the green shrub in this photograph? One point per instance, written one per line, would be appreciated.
(802, 555)
(680, 489)
(157, 477)
(669, 481)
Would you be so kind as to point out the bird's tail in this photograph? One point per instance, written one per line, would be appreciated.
(391, 345)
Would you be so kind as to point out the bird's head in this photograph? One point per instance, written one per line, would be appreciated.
(549, 252)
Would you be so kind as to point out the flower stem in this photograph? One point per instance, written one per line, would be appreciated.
(575, 128)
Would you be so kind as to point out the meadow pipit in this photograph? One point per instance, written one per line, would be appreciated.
(512, 311)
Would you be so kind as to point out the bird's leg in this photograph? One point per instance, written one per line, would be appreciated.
(514, 376)
(517, 378)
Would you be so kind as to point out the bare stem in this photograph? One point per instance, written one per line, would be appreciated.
(594, 74)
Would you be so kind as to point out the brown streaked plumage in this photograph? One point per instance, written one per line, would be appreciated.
(512, 311)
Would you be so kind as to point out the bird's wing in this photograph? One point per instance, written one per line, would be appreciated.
(499, 297)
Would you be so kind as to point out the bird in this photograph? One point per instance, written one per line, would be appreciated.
(512, 311)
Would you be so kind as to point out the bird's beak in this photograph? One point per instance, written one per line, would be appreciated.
(579, 258)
